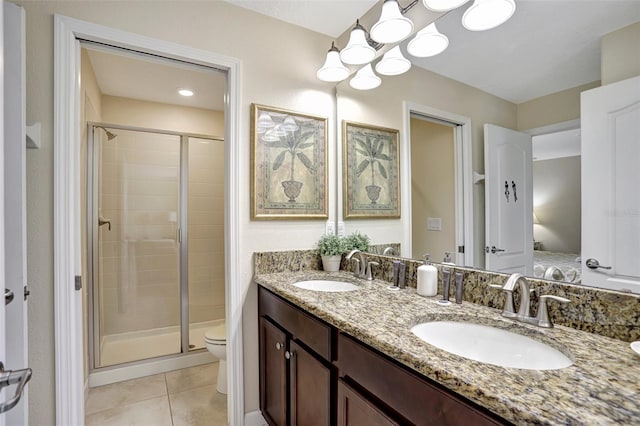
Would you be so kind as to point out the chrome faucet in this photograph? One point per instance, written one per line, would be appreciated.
(361, 264)
(524, 313)
(389, 251)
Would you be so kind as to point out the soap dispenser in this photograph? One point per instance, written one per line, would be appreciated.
(427, 278)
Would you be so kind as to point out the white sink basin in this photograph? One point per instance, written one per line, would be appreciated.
(491, 345)
(326, 285)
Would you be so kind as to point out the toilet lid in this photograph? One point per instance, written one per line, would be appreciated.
(216, 333)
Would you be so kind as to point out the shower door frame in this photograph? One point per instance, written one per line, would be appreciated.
(182, 237)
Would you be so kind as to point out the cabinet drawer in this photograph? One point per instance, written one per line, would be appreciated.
(413, 397)
(314, 333)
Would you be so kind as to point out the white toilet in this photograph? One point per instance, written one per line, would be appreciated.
(216, 341)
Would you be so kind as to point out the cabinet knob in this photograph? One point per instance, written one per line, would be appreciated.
(288, 355)
(278, 345)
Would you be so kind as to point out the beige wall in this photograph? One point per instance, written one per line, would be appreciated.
(271, 75)
(556, 202)
(154, 115)
(621, 54)
(432, 188)
(383, 107)
(554, 108)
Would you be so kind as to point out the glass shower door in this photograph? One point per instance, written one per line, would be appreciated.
(136, 187)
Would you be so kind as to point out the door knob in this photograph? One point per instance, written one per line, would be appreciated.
(493, 249)
(594, 264)
(8, 296)
(7, 378)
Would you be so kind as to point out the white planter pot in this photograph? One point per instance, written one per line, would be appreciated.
(331, 263)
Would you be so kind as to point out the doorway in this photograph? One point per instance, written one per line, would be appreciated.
(67, 228)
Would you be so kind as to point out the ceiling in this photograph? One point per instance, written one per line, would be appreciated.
(155, 79)
(547, 46)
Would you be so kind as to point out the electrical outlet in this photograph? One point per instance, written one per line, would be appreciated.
(329, 229)
(341, 229)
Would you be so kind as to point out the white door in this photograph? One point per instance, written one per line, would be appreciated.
(508, 200)
(13, 197)
(610, 117)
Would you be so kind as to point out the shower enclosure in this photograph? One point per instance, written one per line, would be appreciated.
(155, 242)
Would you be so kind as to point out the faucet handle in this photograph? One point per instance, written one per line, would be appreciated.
(543, 312)
(369, 274)
(508, 310)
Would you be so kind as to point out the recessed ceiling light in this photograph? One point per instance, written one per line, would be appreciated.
(185, 92)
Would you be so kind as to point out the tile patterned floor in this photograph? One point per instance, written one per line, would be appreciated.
(185, 397)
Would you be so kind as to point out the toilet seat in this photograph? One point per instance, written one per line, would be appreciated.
(216, 335)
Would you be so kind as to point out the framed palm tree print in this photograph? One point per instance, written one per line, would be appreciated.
(288, 164)
(370, 171)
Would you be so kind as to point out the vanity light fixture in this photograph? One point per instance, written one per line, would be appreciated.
(392, 26)
(185, 92)
(333, 69)
(443, 5)
(358, 51)
(393, 63)
(486, 14)
(365, 79)
(289, 124)
(428, 42)
(265, 122)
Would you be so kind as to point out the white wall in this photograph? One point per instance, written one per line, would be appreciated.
(279, 62)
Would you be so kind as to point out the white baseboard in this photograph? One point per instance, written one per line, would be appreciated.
(254, 418)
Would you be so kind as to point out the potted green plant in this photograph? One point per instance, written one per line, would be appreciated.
(359, 241)
(331, 247)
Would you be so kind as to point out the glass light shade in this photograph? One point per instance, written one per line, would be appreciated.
(265, 121)
(443, 5)
(486, 14)
(392, 26)
(357, 51)
(393, 63)
(289, 124)
(269, 136)
(428, 42)
(333, 69)
(365, 79)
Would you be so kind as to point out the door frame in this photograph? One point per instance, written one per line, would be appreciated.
(463, 176)
(67, 245)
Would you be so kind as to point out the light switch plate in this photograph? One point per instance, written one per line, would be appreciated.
(329, 229)
(434, 224)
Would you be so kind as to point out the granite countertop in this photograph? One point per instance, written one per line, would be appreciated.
(601, 387)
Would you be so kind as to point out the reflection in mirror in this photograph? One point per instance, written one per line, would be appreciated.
(537, 109)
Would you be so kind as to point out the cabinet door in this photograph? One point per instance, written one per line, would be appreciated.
(355, 410)
(310, 382)
(273, 373)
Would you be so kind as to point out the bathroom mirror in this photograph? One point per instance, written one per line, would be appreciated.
(387, 106)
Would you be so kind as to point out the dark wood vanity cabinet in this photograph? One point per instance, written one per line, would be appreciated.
(311, 374)
(296, 375)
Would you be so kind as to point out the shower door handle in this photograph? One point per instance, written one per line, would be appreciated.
(103, 221)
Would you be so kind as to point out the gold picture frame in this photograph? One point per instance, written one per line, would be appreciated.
(371, 171)
(288, 164)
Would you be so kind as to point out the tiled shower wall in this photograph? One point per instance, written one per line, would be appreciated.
(140, 278)
(206, 230)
